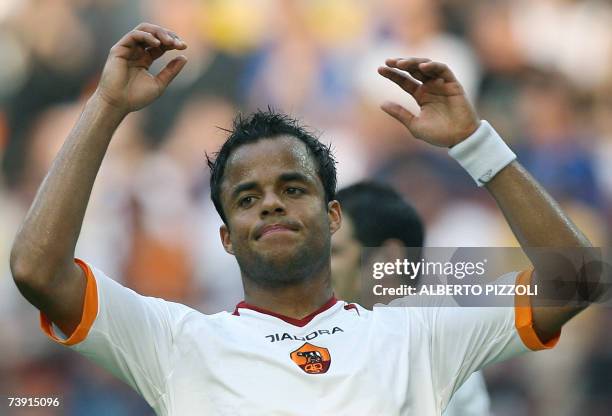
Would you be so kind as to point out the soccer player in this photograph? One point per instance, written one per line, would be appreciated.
(376, 218)
(290, 347)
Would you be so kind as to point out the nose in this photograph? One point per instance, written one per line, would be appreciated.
(272, 205)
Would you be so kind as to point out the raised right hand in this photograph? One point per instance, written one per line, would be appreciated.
(126, 83)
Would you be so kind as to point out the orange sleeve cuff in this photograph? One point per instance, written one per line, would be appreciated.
(88, 316)
(523, 318)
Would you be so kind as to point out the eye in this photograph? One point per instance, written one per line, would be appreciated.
(246, 201)
(294, 191)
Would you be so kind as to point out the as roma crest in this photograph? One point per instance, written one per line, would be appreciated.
(312, 359)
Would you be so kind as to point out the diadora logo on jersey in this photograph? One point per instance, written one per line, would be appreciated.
(288, 337)
(312, 359)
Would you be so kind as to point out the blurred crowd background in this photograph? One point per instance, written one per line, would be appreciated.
(539, 70)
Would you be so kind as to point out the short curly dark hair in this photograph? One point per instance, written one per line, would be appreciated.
(264, 125)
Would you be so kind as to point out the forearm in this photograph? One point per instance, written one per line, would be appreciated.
(42, 254)
(534, 216)
(49, 233)
(557, 249)
(446, 117)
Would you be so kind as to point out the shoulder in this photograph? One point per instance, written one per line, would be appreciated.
(192, 322)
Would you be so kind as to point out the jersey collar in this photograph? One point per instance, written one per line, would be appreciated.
(293, 321)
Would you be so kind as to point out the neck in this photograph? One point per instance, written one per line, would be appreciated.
(295, 301)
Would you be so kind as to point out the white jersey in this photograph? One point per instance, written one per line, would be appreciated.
(340, 360)
(471, 399)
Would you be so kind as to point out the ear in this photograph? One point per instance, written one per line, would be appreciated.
(334, 214)
(389, 251)
(393, 249)
(225, 239)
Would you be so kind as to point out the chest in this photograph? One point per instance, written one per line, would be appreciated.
(338, 368)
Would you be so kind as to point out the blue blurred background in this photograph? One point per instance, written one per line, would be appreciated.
(540, 71)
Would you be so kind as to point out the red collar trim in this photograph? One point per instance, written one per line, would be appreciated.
(293, 321)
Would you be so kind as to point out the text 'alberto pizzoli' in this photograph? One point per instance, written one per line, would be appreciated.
(456, 290)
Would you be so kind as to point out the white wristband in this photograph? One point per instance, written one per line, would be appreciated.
(483, 154)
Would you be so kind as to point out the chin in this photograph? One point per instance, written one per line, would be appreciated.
(276, 261)
(280, 254)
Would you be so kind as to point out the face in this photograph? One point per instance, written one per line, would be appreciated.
(278, 224)
(345, 262)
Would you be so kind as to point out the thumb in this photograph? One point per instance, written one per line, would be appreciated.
(171, 70)
(398, 112)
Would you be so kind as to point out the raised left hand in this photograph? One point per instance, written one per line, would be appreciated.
(446, 117)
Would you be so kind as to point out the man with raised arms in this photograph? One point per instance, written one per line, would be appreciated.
(273, 184)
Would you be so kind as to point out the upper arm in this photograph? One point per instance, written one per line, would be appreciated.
(548, 320)
(60, 298)
(465, 339)
(130, 335)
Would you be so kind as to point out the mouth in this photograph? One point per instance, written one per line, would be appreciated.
(274, 229)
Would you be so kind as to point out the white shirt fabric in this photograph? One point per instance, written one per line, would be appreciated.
(340, 360)
(471, 399)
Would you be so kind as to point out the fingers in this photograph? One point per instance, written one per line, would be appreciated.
(406, 83)
(148, 36)
(167, 74)
(398, 112)
(136, 37)
(157, 52)
(167, 37)
(410, 65)
(422, 69)
(437, 70)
